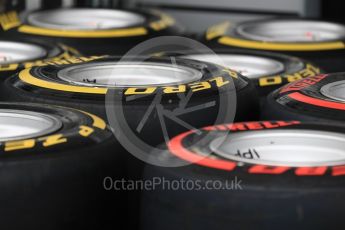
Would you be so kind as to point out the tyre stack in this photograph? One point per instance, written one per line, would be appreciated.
(56, 152)
(284, 171)
(254, 141)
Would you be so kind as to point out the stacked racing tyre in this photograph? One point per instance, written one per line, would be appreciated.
(320, 98)
(92, 31)
(268, 71)
(253, 175)
(17, 54)
(317, 41)
(53, 162)
(146, 92)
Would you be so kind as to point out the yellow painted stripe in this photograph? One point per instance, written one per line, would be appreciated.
(230, 41)
(26, 77)
(137, 31)
(97, 121)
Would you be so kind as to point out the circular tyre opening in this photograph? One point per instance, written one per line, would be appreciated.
(21, 124)
(15, 52)
(291, 148)
(292, 31)
(84, 19)
(250, 66)
(128, 74)
(335, 90)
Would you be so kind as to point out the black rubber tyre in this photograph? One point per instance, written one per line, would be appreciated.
(42, 85)
(213, 192)
(54, 53)
(326, 55)
(56, 180)
(94, 42)
(303, 100)
(294, 68)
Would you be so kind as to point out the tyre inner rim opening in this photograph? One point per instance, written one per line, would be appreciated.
(20, 124)
(290, 148)
(120, 75)
(335, 91)
(16, 52)
(84, 19)
(249, 66)
(292, 31)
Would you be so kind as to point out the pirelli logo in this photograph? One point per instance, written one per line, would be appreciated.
(64, 59)
(9, 20)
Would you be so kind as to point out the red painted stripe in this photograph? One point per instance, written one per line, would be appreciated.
(318, 102)
(175, 146)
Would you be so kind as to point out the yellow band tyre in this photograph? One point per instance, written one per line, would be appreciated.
(316, 41)
(17, 54)
(93, 31)
(53, 161)
(268, 71)
(208, 84)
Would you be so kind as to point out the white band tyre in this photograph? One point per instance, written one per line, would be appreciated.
(93, 31)
(53, 162)
(136, 86)
(317, 41)
(319, 98)
(268, 71)
(253, 175)
(17, 54)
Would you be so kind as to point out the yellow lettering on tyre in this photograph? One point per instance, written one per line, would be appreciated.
(178, 89)
(219, 81)
(217, 30)
(295, 77)
(267, 81)
(9, 20)
(163, 23)
(307, 73)
(231, 73)
(8, 67)
(85, 131)
(200, 86)
(53, 140)
(136, 91)
(17, 145)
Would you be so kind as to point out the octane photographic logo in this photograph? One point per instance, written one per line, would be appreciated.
(171, 95)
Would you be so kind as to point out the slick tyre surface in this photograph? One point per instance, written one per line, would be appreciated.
(268, 71)
(316, 98)
(312, 39)
(88, 92)
(92, 31)
(53, 179)
(17, 54)
(245, 190)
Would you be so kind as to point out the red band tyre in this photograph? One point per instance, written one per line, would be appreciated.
(92, 31)
(319, 98)
(317, 41)
(260, 175)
